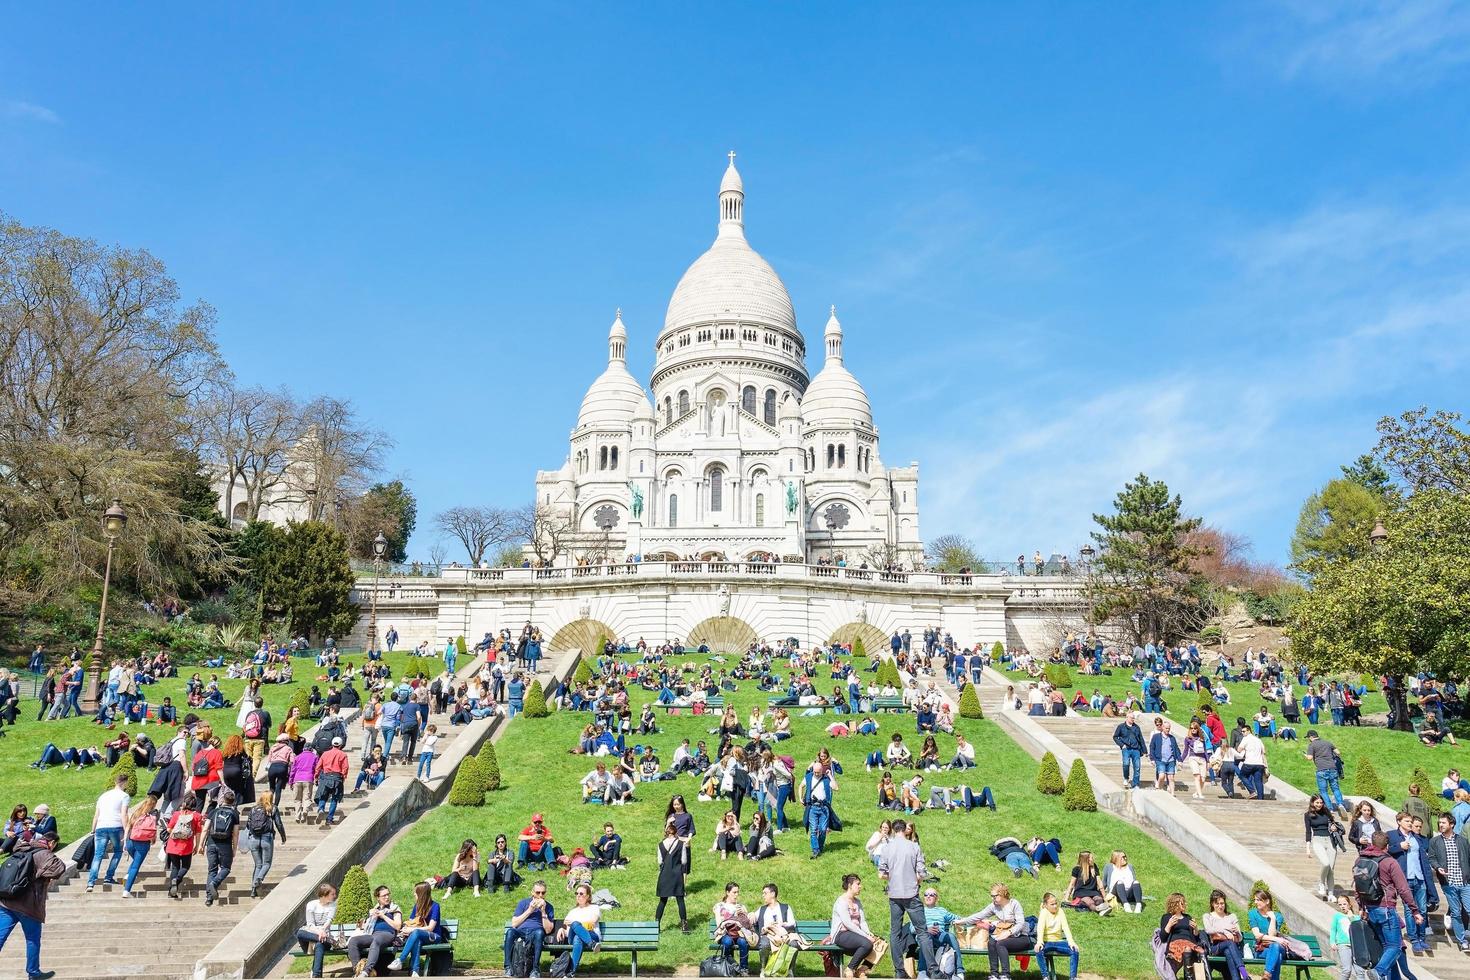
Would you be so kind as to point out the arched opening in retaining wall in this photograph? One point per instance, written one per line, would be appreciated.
(875, 641)
(723, 634)
(583, 635)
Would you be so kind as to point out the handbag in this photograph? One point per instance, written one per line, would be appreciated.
(778, 964)
(718, 966)
(880, 950)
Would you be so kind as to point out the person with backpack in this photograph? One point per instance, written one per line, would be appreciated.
(1380, 884)
(223, 823)
(185, 833)
(331, 778)
(207, 769)
(142, 831)
(25, 879)
(254, 732)
(262, 827)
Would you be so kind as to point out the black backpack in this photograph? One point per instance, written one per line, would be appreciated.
(324, 735)
(1366, 881)
(258, 822)
(521, 960)
(16, 875)
(222, 823)
(201, 765)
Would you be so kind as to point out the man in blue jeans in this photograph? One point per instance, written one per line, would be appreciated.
(533, 919)
(389, 717)
(817, 789)
(1449, 856)
(1324, 756)
(1128, 737)
(1410, 851)
(1382, 916)
(108, 820)
(28, 908)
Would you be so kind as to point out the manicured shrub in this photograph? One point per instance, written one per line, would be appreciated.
(301, 701)
(1058, 676)
(1079, 795)
(859, 651)
(1366, 781)
(1437, 804)
(355, 897)
(469, 783)
(970, 703)
(997, 651)
(489, 765)
(1049, 776)
(536, 702)
(459, 647)
(583, 673)
(1369, 683)
(125, 767)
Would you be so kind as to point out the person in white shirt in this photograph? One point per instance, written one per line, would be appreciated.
(594, 784)
(1253, 764)
(964, 754)
(320, 912)
(108, 821)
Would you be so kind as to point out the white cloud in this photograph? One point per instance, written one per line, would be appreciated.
(20, 109)
(1411, 40)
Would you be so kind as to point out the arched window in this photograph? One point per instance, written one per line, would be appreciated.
(747, 400)
(602, 458)
(716, 489)
(683, 402)
(614, 463)
(831, 455)
(760, 510)
(673, 510)
(770, 412)
(842, 455)
(668, 408)
(811, 460)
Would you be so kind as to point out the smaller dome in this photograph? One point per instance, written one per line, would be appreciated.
(616, 397)
(834, 397)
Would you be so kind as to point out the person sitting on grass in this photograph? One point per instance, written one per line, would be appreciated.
(727, 837)
(466, 870)
(536, 844)
(1084, 890)
(888, 798)
(964, 754)
(1121, 884)
(908, 794)
(607, 850)
(1431, 734)
(595, 784)
(929, 754)
(897, 754)
(762, 841)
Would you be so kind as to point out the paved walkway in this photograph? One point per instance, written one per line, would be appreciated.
(152, 937)
(1270, 829)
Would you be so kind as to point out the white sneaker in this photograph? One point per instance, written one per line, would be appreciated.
(395, 965)
(1106, 908)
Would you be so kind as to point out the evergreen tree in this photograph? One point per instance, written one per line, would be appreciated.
(1078, 795)
(1437, 804)
(355, 897)
(997, 650)
(1143, 578)
(970, 703)
(1334, 523)
(1049, 776)
(125, 767)
(536, 702)
(461, 650)
(1366, 781)
(469, 783)
(1057, 675)
(489, 765)
(304, 574)
(301, 701)
(859, 651)
(583, 673)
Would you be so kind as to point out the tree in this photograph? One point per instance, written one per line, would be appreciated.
(249, 434)
(1370, 474)
(489, 765)
(1078, 796)
(336, 454)
(387, 507)
(355, 896)
(548, 530)
(1334, 523)
(1142, 578)
(536, 702)
(953, 553)
(125, 767)
(1366, 781)
(970, 702)
(1436, 803)
(308, 579)
(101, 366)
(1057, 675)
(1397, 609)
(583, 673)
(1428, 452)
(1049, 776)
(469, 783)
(478, 528)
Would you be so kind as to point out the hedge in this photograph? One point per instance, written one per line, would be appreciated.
(970, 703)
(489, 765)
(469, 783)
(1049, 776)
(1366, 781)
(125, 767)
(355, 897)
(1079, 795)
(536, 702)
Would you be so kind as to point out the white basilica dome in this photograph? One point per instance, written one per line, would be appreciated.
(615, 396)
(834, 396)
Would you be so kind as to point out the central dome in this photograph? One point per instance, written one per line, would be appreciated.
(730, 281)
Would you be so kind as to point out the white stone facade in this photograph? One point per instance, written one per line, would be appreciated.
(738, 453)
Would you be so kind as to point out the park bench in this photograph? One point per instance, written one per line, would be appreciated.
(438, 957)
(890, 703)
(711, 705)
(621, 937)
(814, 931)
(1303, 968)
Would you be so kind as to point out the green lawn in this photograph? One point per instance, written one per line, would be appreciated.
(72, 792)
(1394, 754)
(541, 775)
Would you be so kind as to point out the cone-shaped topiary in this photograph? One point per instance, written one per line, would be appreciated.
(859, 651)
(355, 897)
(536, 702)
(997, 651)
(583, 673)
(469, 783)
(970, 703)
(1366, 781)
(1049, 776)
(601, 645)
(1437, 803)
(125, 767)
(460, 648)
(888, 674)
(1057, 675)
(489, 765)
(1079, 795)
(301, 701)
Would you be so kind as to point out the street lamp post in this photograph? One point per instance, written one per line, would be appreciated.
(113, 521)
(1378, 537)
(1086, 554)
(380, 548)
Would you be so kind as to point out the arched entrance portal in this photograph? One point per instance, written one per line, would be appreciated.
(586, 636)
(875, 641)
(723, 634)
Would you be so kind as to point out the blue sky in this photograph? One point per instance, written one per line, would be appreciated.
(1067, 242)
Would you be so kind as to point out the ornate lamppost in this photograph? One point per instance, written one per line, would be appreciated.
(113, 521)
(380, 548)
(1087, 554)
(1378, 537)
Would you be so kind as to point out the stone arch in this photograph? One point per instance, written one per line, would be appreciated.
(723, 634)
(583, 635)
(875, 641)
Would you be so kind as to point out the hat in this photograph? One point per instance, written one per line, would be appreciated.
(536, 819)
(44, 808)
(336, 741)
(283, 737)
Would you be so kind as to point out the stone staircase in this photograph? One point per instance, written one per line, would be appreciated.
(153, 937)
